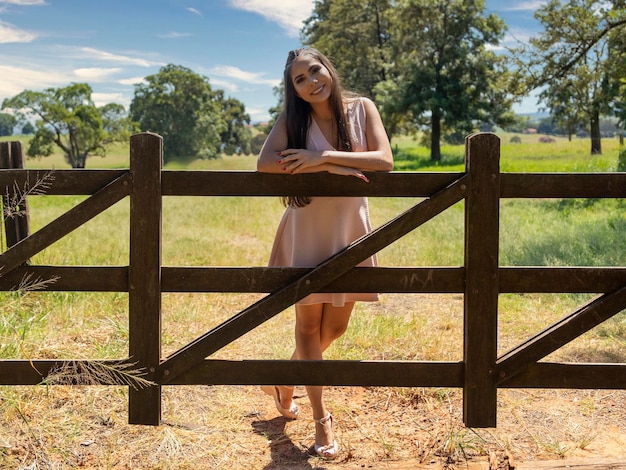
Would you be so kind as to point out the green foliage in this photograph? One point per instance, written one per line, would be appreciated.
(236, 137)
(447, 76)
(194, 120)
(7, 123)
(576, 60)
(28, 129)
(355, 34)
(427, 63)
(68, 119)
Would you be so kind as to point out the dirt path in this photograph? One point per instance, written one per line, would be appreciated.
(388, 429)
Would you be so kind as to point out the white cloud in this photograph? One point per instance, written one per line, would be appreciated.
(527, 5)
(224, 85)
(17, 79)
(96, 54)
(194, 11)
(100, 99)
(95, 74)
(9, 33)
(24, 3)
(131, 81)
(289, 14)
(173, 35)
(238, 74)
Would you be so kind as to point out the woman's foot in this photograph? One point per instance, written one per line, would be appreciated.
(324, 433)
(291, 411)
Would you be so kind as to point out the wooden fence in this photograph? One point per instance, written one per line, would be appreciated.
(481, 372)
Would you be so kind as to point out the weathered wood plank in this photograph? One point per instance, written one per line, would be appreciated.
(569, 375)
(559, 334)
(563, 185)
(58, 228)
(433, 280)
(144, 298)
(245, 183)
(33, 372)
(67, 278)
(482, 211)
(320, 276)
(64, 182)
(260, 279)
(259, 372)
(357, 373)
(560, 279)
(17, 226)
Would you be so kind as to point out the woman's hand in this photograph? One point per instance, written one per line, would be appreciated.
(347, 171)
(298, 160)
(306, 161)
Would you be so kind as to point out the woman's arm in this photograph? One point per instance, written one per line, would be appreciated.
(270, 161)
(378, 156)
(275, 142)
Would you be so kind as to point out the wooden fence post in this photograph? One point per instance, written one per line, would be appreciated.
(16, 227)
(144, 290)
(482, 162)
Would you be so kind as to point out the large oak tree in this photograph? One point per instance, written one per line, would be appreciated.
(448, 76)
(67, 118)
(573, 60)
(194, 120)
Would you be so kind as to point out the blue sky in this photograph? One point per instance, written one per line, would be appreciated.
(240, 45)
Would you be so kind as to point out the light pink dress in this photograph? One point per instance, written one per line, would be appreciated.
(308, 235)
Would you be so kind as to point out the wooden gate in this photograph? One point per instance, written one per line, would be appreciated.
(480, 279)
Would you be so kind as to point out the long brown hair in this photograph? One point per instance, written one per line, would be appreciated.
(298, 112)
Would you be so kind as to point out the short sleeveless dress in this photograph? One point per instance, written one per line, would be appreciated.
(307, 236)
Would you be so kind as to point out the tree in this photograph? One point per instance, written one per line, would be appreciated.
(194, 120)
(28, 128)
(7, 123)
(573, 60)
(68, 118)
(565, 109)
(617, 58)
(355, 35)
(447, 75)
(236, 137)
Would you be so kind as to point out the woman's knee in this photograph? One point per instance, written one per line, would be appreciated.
(308, 327)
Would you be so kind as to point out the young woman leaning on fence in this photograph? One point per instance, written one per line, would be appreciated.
(321, 129)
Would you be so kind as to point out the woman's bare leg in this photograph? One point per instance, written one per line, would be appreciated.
(317, 326)
(333, 324)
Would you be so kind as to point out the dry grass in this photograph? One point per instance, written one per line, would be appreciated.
(237, 427)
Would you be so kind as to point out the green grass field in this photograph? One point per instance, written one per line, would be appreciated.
(235, 231)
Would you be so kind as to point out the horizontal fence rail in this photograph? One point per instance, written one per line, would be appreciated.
(481, 279)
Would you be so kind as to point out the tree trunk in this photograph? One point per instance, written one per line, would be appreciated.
(596, 138)
(435, 137)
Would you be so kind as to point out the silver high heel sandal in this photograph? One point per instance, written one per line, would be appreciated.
(291, 412)
(328, 451)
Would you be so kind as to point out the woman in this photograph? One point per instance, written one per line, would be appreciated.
(321, 129)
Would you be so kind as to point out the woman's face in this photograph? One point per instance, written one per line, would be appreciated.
(311, 80)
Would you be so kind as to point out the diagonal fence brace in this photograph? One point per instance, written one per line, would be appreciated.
(318, 277)
(58, 228)
(559, 334)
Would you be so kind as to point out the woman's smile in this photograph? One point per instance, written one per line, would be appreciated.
(311, 80)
